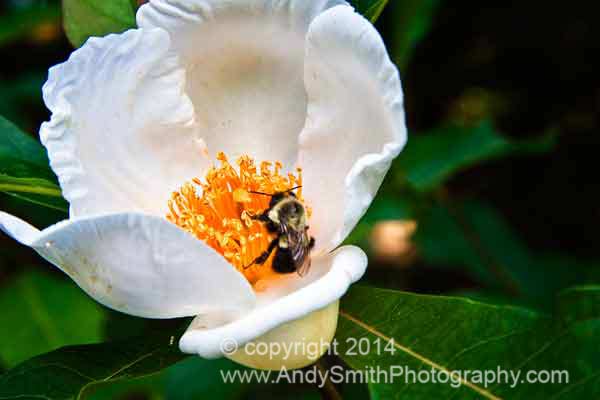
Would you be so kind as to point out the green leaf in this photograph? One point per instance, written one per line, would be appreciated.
(149, 387)
(85, 18)
(69, 372)
(452, 335)
(21, 154)
(371, 9)
(431, 158)
(43, 313)
(196, 378)
(24, 169)
(579, 303)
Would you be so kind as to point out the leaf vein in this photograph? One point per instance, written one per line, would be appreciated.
(485, 393)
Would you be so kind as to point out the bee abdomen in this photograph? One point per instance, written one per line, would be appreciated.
(284, 261)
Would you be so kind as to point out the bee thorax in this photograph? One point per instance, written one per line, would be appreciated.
(274, 216)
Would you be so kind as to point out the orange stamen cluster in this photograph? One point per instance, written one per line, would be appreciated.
(218, 211)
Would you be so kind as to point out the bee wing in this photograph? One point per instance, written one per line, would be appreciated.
(303, 269)
(299, 244)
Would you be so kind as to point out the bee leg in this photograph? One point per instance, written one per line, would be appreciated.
(311, 242)
(264, 217)
(261, 259)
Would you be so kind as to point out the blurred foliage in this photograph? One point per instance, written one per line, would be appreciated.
(473, 236)
(28, 22)
(431, 158)
(502, 104)
(18, 93)
(44, 313)
(371, 9)
(412, 21)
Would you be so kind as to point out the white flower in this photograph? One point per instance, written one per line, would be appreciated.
(135, 115)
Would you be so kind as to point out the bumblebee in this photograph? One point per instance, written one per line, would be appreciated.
(286, 218)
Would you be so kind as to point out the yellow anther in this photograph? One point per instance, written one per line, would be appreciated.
(221, 213)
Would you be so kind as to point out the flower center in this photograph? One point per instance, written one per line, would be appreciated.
(219, 211)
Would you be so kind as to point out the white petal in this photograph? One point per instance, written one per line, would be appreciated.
(355, 124)
(345, 266)
(139, 264)
(122, 134)
(244, 63)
